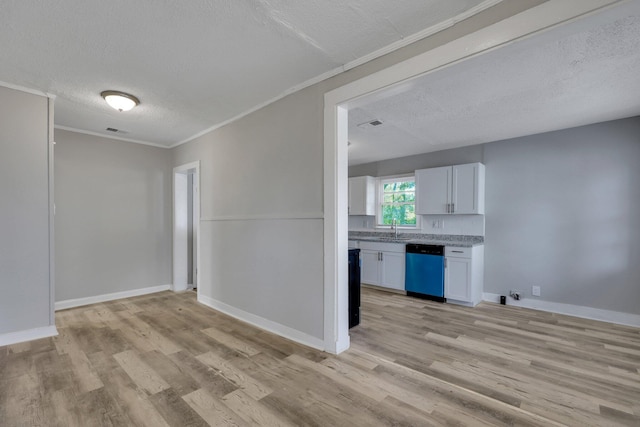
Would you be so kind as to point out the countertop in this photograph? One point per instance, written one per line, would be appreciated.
(425, 239)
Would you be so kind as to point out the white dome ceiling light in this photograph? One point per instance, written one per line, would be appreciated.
(119, 100)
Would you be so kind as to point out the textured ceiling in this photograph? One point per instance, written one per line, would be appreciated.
(193, 64)
(579, 73)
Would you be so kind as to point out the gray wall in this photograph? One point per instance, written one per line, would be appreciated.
(25, 301)
(113, 216)
(562, 212)
(261, 212)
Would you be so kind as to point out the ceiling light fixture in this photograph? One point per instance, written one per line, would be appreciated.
(119, 100)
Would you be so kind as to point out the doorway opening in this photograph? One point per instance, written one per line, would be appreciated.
(186, 227)
(337, 103)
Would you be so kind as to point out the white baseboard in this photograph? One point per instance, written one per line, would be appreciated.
(570, 309)
(70, 303)
(262, 323)
(28, 335)
(339, 346)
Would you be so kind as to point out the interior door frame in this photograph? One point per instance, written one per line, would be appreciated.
(338, 101)
(176, 254)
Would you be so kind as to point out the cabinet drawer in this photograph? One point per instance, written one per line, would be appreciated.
(383, 247)
(454, 251)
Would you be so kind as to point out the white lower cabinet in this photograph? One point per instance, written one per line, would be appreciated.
(464, 275)
(370, 265)
(382, 264)
(392, 270)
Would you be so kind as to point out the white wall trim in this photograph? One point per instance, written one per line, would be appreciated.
(52, 210)
(262, 323)
(570, 310)
(26, 90)
(267, 217)
(440, 26)
(28, 335)
(184, 168)
(78, 302)
(336, 229)
(102, 135)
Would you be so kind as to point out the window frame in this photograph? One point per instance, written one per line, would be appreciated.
(380, 181)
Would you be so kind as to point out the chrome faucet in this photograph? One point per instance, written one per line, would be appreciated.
(394, 226)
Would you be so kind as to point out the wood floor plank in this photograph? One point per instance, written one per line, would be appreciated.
(144, 377)
(252, 387)
(176, 375)
(365, 379)
(84, 371)
(98, 408)
(133, 400)
(23, 402)
(175, 410)
(147, 333)
(252, 411)
(212, 410)
(205, 376)
(231, 342)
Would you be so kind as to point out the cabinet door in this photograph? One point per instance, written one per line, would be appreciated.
(369, 268)
(466, 189)
(392, 270)
(433, 190)
(457, 279)
(362, 193)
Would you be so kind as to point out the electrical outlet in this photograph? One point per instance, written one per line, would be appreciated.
(515, 294)
(535, 291)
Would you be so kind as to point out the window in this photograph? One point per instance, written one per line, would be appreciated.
(397, 201)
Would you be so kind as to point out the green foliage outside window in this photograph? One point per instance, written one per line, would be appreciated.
(398, 201)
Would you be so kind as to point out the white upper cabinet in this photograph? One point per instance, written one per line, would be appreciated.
(433, 190)
(450, 190)
(362, 195)
(468, 189)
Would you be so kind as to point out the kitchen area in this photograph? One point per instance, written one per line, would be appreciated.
(398, 232)
(557, 149)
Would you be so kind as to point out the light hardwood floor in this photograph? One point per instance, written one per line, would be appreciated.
(164, 359)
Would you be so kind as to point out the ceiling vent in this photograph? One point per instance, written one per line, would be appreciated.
(114, 130)
(370, 124)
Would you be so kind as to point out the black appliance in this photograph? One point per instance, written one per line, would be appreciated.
(354, 287)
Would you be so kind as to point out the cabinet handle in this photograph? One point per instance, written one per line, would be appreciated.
(447, 207)
(381, 256)
(458, 252)
(445, 263)
(453, 207)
